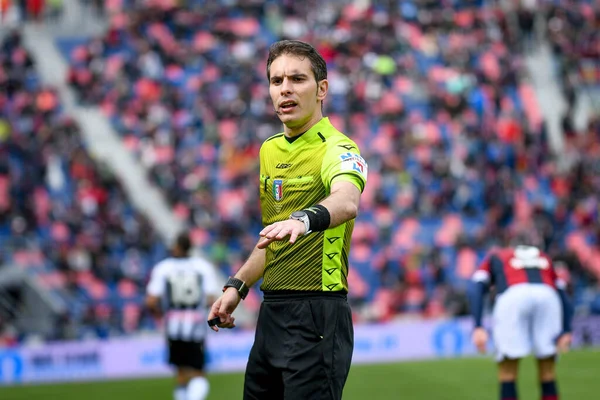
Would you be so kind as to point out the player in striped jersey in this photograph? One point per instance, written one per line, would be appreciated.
(531, 314)
(184, 286)
(311, 180)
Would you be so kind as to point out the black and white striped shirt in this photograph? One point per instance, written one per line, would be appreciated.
(183, 284)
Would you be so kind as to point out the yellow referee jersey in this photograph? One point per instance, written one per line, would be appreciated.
(297, 175)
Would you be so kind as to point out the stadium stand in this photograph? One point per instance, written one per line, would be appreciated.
(440, 102)
(63, 217)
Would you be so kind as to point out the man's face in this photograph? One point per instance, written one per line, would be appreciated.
(295, 93)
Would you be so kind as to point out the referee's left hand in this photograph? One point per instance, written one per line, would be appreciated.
(281, 230)
(224, 308)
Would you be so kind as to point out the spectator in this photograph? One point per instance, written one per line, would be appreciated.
(434, 92)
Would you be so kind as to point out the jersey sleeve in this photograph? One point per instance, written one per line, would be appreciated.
(483, 273)
(555, 278)
(157, 283)
(565, 300)
(478, 288)
(343, 162)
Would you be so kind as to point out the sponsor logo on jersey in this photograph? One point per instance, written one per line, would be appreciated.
(353, 162)
(528, 257)
(537, 262)
(278, 189)
(283, 165)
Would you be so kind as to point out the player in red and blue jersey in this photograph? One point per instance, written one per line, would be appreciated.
(531, 314)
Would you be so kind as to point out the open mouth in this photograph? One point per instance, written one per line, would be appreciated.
(287, 106)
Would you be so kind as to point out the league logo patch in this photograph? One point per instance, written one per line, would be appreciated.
(278, 189)
(353, 162)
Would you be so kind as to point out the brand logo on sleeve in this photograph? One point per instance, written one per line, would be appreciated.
(353, 162)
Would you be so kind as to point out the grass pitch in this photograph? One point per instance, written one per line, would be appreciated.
(451, 379)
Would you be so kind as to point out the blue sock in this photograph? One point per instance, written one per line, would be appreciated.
(508, 390)
(549, 391)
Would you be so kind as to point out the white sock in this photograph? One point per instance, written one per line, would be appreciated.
(180, 393)
(197, 388)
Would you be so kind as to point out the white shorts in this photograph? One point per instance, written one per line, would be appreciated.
(527, 318)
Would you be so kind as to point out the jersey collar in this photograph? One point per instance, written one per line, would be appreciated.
(312, 134)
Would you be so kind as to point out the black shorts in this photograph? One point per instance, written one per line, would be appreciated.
(302, 348)
(186, 354)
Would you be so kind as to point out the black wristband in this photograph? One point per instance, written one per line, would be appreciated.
(319, 217)
(239, 285)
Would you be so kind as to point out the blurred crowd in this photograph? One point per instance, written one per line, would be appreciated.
(63, 216)
(15, 12)
(572, 30)
(434, 92)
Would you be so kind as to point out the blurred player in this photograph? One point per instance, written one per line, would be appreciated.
(531, 314)
(185, 286)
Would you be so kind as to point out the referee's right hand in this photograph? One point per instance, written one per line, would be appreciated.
(223, 308)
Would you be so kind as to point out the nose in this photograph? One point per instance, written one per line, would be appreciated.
(286, 86)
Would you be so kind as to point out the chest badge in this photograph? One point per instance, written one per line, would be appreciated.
(278, 189)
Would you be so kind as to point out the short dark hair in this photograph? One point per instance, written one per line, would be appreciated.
(299, 49)
(183, 243)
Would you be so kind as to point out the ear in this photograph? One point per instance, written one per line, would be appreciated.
(322, 88)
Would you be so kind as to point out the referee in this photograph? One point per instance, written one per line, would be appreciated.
(311, 179)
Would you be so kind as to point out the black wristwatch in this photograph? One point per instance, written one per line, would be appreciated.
(302, 216)
(239, 284)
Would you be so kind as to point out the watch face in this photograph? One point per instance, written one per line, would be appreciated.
(298, 214)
